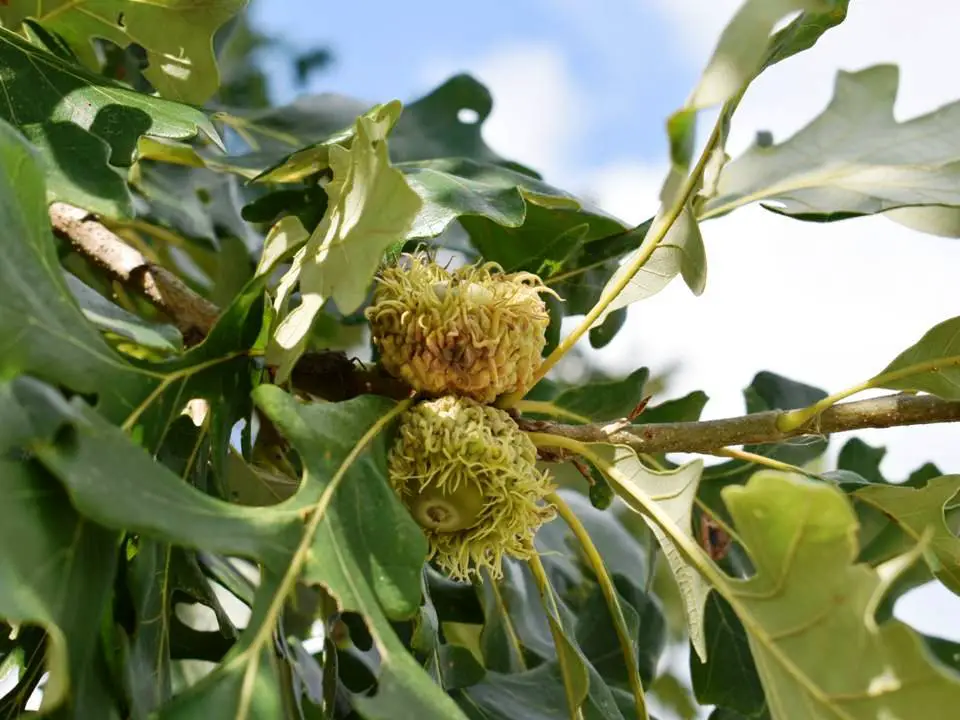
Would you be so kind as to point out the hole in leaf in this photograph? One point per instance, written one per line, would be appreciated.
(197, 616)
(358, 630)
(203, 195)
(468, 116)
(120, 21)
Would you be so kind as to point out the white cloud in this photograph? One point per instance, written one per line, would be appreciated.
(536, 110)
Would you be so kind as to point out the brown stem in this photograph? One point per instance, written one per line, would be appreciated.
(193, 315)
(329, 374)
(758, 428)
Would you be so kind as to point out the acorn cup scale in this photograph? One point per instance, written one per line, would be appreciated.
(474, 332)
(468, 475)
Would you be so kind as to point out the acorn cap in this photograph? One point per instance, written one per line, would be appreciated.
(468, 475)
(475, 331)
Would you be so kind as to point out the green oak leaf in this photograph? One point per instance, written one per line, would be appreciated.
(729, 676)
(825, 172)
(804, 30)
(809, 601)
(431, 127)
(675, 491)
(43, 331)
(370, 208)
(917, 510)
(932, 364)
(176, 34)
(85, 125)
(597, 401)
(745, 48)
(56, 569)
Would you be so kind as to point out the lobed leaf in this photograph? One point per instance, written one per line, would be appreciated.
(83, 124)
(918, 510)
(808, 600)
(853, 159)
(177, 36)
(56, 569)
(343, 253)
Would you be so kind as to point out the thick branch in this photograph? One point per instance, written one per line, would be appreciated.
(193, 314)
(758, 428)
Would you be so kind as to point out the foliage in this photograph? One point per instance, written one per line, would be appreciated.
(204, 525)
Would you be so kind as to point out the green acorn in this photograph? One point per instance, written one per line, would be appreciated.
(468, 475)
(476, 331)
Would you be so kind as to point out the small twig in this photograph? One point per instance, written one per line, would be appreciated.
(610, 596)
(193, 314)
(759, 428)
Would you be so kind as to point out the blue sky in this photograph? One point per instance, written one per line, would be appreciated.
(627, 74)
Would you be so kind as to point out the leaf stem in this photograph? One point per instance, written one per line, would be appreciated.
(798, 418)
(645, 252)
(610, 595)
(287, 583)
(542, 407)
(509, 629)
(757, 459)
(550, 605)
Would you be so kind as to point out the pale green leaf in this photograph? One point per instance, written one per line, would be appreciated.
(853, 159)
(680, 252)
(743, 47)
(370, 208)
(809, 602)
(931, 365)
(176, 34)
(284, 237)
(675, 492)
(918, 510)
(931, 219)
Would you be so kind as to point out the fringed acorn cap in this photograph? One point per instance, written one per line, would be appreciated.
(476, 331)
(468, 475)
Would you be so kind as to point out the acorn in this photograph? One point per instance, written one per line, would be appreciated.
(476, 331)
(468, 475)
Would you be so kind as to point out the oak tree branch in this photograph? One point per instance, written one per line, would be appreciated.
(193, 314)
(758, 428)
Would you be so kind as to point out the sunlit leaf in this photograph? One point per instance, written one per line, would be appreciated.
(83, 124)
(742, 48)
(808, 601)
(177, 35)
(370, 208)
(675, 491)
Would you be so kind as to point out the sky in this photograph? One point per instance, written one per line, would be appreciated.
(581, 92)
